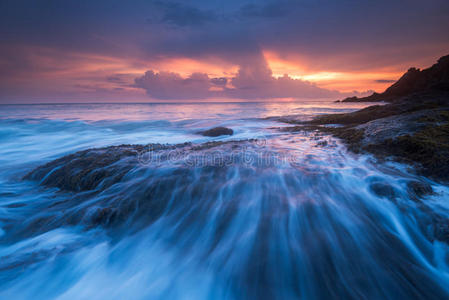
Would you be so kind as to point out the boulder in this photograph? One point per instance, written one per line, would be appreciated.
(217, 131)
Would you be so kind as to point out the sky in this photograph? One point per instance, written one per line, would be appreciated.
(156, 51)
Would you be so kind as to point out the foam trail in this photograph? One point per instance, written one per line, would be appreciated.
(288, 219)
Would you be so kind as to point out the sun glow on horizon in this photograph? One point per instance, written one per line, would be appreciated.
(81, 73)
(341, 81)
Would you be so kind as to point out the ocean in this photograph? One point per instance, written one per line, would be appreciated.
(261, 214)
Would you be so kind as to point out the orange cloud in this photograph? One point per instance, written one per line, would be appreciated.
(55, 73)
(187, 66)
(377, 80)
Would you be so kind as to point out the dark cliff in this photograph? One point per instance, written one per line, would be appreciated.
(433, 79)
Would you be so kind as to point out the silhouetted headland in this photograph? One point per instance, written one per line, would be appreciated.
(412, 128)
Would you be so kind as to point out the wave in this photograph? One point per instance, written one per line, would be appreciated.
(228, 219)
(167, 213)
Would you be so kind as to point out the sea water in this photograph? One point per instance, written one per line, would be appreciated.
(293, 215)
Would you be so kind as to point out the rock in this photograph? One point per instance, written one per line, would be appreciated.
(419, 189)
(349, 99)
(322, 144)
(375, 97)
(406, 138)
(383, 190)
(217, 131)
(435, 78)
(441, 229)
(103, 216)
(413, 128)
(99, 168)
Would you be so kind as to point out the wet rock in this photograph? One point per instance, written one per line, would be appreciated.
(428, 149)
(322, 144)
(217, 131)
(413, 128)
(419, 189)
(441, 229)
(414, 131)
(383, 190)
(358, 117)
(94, 169)
(103, 216)
(84, 170)
(292, 129)
(97, 169)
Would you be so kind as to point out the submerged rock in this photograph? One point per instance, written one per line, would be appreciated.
(441, 229)
(217, 131)
(383, 190)
(112, 186)
(419, 189)
(86, 170)
(100, 168)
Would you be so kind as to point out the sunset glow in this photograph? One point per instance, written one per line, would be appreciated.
(342, 81)
(244, 52)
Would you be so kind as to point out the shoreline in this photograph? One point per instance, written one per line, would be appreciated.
(413, 130)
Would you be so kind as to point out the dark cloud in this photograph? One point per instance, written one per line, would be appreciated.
(220, 81)
(181, 14)
(349, 33)
(169, 85)
(115, 79)
(321, 35)
(385, 80)
(91, 87)
(331, 34)
(121, 79)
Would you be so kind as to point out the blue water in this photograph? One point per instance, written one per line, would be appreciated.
(306, 224)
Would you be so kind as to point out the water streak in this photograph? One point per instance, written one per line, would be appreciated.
(291, 218)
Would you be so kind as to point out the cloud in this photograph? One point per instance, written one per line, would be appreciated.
(116, 78)
(169, 85)
(385, 81)
(254, 80)
(180, 14)
(314, 36)
(326, 34)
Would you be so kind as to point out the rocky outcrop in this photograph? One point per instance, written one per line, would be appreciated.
(433, 79)
(92, 168)
(414, 131)
(413, 128)
(97, 169)
(128, 185)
